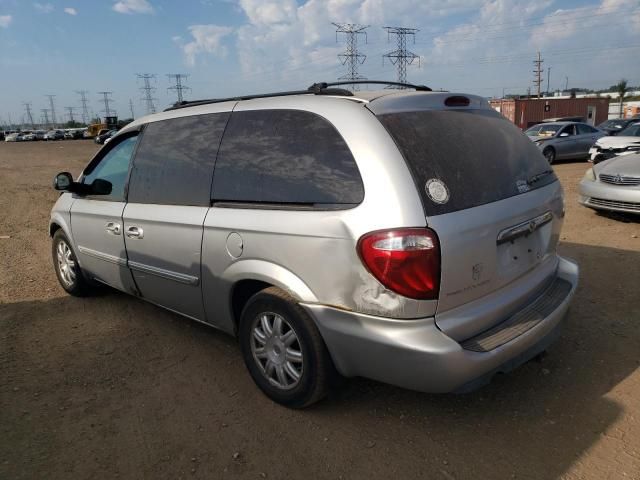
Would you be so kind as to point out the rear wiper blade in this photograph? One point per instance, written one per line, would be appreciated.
(534, 178)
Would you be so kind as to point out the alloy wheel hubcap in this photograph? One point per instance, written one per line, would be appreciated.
(66, 264)
(276, 350)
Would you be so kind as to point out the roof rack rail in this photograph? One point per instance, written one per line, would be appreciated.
(319, 91)
(323, 85)
(321, 88)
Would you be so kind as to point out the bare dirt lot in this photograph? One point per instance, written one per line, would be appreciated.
(110, 386)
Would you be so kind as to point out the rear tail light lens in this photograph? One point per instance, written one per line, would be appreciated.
(406, 261)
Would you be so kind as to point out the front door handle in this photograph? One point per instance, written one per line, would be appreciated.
(135, 232)
(113, 227)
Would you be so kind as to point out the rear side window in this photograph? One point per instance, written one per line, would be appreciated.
(174, 162)
(285, 157)
(584, 129)
(465, 158)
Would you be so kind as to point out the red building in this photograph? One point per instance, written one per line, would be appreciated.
(525, 112)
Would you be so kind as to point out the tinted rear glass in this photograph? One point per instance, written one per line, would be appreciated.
(477, 155)
(174, 162)
(285, 157)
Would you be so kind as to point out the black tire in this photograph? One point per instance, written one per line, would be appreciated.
(317, 369)
(80, 286)
(550, 154)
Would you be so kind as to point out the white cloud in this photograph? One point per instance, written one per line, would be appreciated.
(206, 39)
(133, 6)
(5, 21)
(44, 7)
(70, 11)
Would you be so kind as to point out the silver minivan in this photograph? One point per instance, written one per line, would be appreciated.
(406, 236)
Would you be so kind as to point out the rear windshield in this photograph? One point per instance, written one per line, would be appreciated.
(465, 158)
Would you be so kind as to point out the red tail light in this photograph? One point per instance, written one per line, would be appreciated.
(406, 261)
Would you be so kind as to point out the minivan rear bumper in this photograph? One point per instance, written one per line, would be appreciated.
(415, 354)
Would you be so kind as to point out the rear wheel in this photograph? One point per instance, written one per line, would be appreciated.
(67, 269)
(283, 350)
(550, 154)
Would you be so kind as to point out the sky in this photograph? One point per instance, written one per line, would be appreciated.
(236, 47)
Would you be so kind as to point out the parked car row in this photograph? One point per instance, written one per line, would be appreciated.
(56, 134)
(577, 140)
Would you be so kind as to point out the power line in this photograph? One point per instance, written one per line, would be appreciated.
(70, 113)
(84, 102)
(45, 116)
(27, 107)
(351, 57)
(148, 90)
(401, 57)
(537, 79)
(178, 87)
(53, 110)
(105, 99)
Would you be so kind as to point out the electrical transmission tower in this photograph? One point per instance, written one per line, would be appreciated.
(53, 110)
(178, 87)
(70, 113)
(351, 57)
(133, 115)
(148, 90)
(537, 72)
(105, 99)
(401, 57)
(45, 116)
(84, 102)
(27, 107)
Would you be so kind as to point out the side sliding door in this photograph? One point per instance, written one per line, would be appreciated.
(168, 200)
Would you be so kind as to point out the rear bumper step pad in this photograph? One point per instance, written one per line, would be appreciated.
(522, 321)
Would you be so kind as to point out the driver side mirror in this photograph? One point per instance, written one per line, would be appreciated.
(63, 182)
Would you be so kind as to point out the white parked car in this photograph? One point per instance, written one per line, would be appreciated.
(626, 142)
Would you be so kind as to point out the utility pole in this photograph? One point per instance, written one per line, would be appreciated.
(27, 107)
(105, 99)
(70, 113)
(351, 57)
(45, 116)
(85, 109)
(548, 80)
(566, 83)
(148, 91)
(537, 72)
(401, 57)
(53, 110)
(178, 87)
(133, 115)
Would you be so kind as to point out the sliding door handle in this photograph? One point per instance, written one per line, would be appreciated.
(135, 232)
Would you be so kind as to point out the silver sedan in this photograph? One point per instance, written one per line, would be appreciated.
(613, 185)
(564, 140)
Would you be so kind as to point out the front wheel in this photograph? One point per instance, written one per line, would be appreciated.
(67, 269)
(550, 154)
(283, 350)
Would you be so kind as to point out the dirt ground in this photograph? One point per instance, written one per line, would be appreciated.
(112, 387)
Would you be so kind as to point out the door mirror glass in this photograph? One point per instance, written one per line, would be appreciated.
(101, 187)
(63, 181)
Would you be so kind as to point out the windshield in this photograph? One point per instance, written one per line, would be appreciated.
(613, 124)
(465, 158)
(631, 131)
(543, 130)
